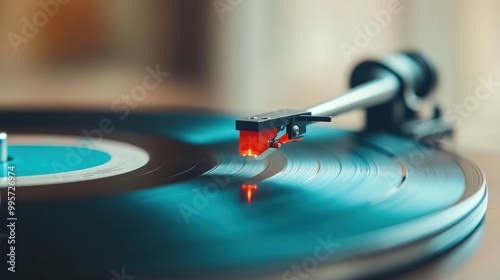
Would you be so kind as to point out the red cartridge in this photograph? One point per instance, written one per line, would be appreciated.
(254, 143)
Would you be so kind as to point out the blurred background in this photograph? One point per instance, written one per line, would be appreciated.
(245, 56)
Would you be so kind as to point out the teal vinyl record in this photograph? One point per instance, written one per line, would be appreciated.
(167, 196)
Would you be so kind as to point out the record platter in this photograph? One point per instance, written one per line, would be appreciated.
(168, 196)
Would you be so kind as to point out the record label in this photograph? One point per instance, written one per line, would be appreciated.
(57, 159)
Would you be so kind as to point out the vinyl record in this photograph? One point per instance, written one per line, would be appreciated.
(336, 205)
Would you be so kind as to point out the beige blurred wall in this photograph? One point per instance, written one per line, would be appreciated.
(88, 54)
(478, 57)
(286, 53)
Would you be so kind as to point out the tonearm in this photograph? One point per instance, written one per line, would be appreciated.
(390, 89)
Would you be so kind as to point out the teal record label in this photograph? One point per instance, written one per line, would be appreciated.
(57, 159)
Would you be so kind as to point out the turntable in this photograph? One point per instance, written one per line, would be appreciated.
(184, 195)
